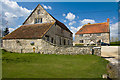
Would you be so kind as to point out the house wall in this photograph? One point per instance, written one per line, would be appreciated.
(44, 47)
(46, 18)
(57, 33)
(87, 38)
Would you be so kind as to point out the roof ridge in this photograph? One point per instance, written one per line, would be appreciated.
(87, 26)
(96, 23)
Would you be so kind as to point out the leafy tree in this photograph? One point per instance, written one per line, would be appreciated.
(6, 31)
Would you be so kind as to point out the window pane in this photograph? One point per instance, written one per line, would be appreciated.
(51, 40)
(41, 20)
(99, 34)
(80, 35)
(35, 20)
(38, 20)
(81, 41)
(38, 11)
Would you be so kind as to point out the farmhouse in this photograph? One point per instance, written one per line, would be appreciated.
(93, 34)
(40, 26)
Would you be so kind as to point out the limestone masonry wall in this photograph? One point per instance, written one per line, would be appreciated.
(43, 47)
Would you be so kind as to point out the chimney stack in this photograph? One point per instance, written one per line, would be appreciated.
(89, 23)
(108, 20)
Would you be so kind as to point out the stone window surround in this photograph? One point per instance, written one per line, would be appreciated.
(81, 41)
(38, 20)
(38, 11)
(80, 35)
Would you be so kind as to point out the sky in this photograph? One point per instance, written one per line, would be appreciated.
(73, 14)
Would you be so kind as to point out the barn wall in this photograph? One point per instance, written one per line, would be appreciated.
(41, 46)
(46, 18)
(57, 33)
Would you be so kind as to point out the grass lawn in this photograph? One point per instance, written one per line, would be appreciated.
(33, 65)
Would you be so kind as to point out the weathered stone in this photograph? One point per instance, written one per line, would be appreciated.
(43, 47)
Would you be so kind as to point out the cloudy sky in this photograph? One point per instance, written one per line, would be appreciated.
(73, 14)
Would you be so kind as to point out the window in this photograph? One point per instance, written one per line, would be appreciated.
(68, 42)
(64, 41)
(60, 40)
(47, 37)
(38, 11)
(90, 34)
(99, 34)
(81, 41)
(80, 35)
(38, 20)
(61, 30)
(35, 21)
(51, 40)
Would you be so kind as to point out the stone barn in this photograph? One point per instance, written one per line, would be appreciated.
(38, 28)
(93, 34)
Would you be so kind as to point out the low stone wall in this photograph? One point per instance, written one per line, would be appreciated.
(44, 47)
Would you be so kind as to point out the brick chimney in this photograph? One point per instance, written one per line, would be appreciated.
(89, 23)
(108, 20)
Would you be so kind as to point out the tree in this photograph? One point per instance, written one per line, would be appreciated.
(112, 40)
(6, 31)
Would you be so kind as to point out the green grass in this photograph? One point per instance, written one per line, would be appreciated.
(33, 65)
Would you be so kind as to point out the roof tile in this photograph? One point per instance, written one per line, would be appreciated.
(94, 28)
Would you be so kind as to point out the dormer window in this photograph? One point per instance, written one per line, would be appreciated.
(38, 11)
(38, 20)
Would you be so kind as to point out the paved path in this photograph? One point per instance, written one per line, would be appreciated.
(111, 54)
(109, 51)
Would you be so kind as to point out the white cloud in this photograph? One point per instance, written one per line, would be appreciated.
(74, 29)
(47, 7)
(73, 22)
(70, 16)
(117, 0)
(11, 12)
(114, 17)
(114, 30)
(11, 29)
(86, 21)
(63, 14)
(64, 20)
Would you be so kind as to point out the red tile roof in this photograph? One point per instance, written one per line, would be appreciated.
(94, 28)
(32, 31)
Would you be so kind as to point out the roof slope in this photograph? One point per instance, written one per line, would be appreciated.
(31, 31)
(94, 28)
(57, 22)
(61, 24)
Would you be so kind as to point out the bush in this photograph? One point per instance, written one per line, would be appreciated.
(79, 44)
(117, 43)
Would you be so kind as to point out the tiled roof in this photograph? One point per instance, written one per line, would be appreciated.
(32, 31)
(61, 24)
(94, 28)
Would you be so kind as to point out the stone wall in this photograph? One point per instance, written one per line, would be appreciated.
(57, 33)
(87, 38)
(43, 47)
(46, 18)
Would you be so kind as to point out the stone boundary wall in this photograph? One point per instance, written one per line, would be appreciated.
(48, 48)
